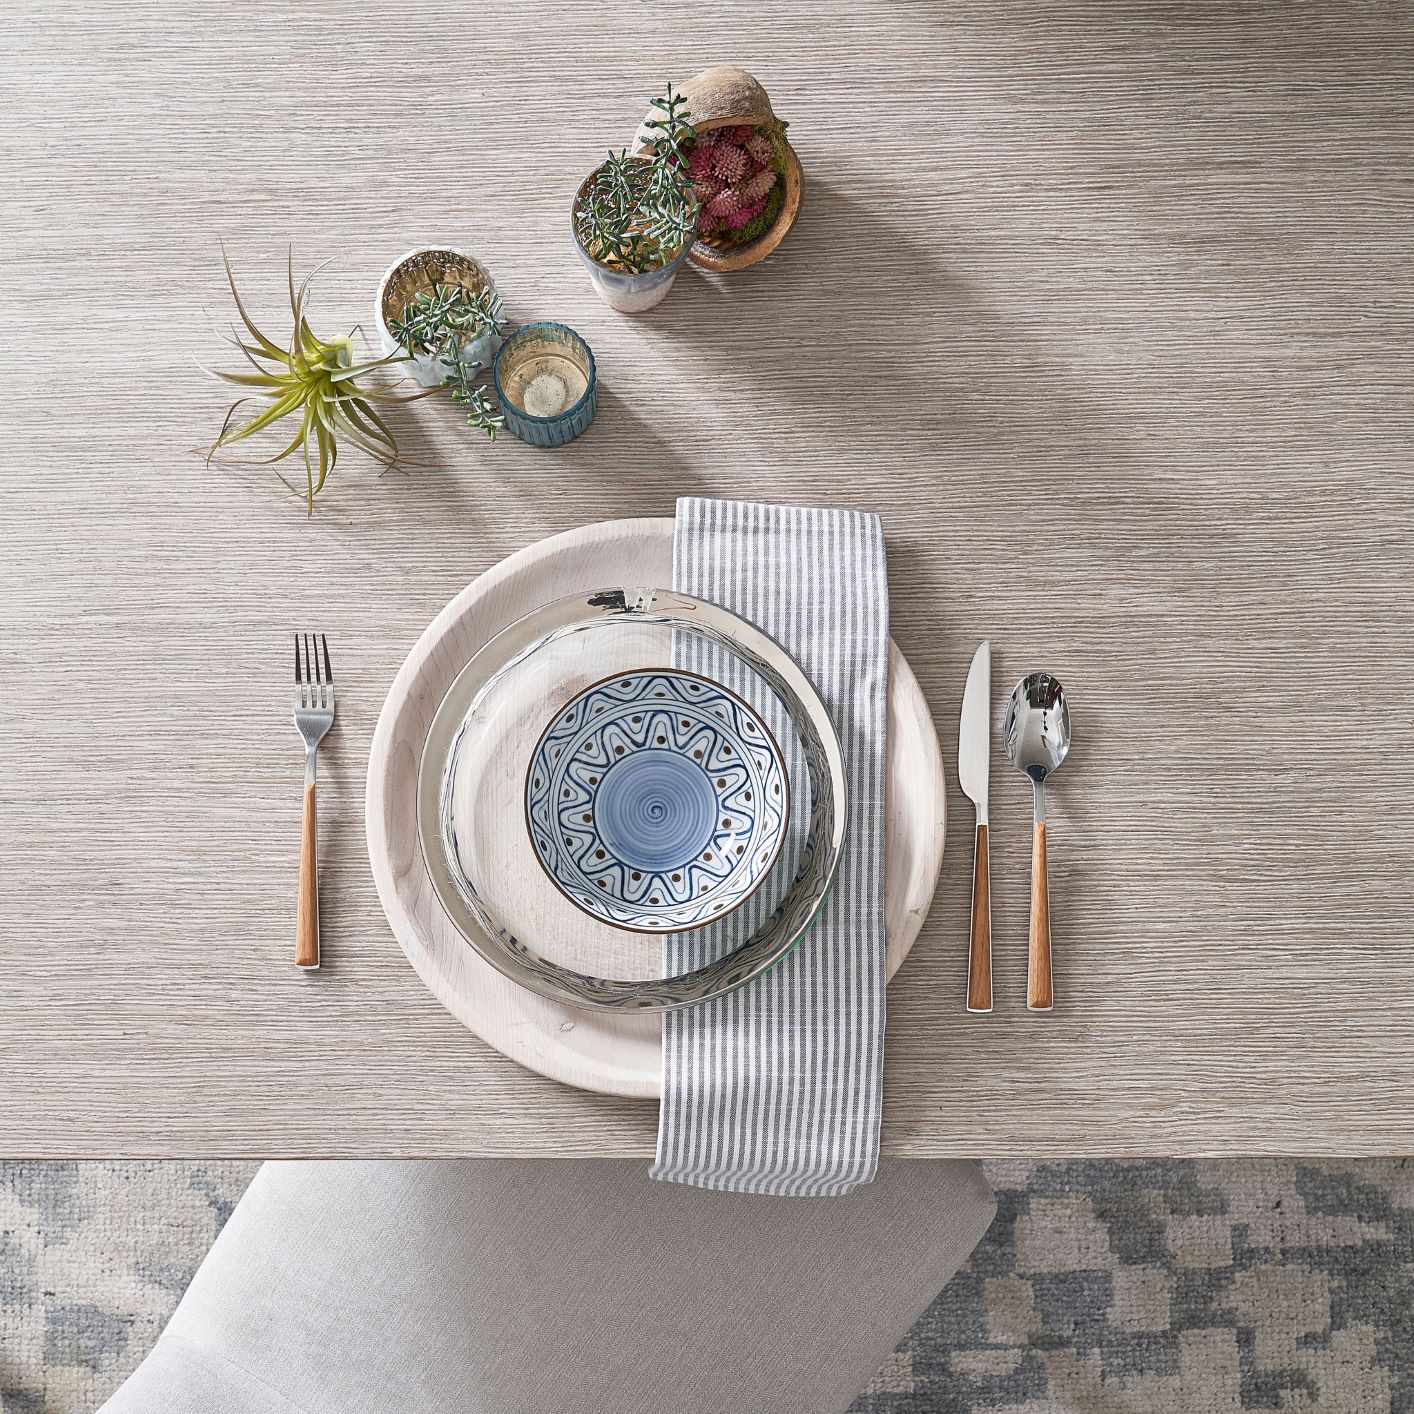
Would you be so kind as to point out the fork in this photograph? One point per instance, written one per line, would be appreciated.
(314, 715)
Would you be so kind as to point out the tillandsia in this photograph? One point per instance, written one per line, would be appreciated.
(638, 211)
(441, 321)
(315, 380)
(738, 173)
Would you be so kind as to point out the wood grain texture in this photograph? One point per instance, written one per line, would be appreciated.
(1104, 307)
(1040, 989)
(979, 963)
(612, 1052)
(307, 902)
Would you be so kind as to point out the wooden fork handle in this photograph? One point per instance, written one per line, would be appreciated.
(979, 967)
(1039, 994)
(307, 907)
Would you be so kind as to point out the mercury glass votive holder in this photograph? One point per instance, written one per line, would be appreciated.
(546, 384)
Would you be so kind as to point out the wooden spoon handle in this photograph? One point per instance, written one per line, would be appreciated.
(1039, 995)
(979, 968)
(307, 907)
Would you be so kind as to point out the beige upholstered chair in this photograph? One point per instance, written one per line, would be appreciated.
(542, 1287)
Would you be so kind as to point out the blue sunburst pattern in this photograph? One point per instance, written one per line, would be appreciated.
(657, 801)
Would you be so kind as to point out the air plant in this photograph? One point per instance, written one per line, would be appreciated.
(441, 321)
(315, 380)
(635, 213)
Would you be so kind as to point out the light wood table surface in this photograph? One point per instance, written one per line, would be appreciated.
(1106, 309)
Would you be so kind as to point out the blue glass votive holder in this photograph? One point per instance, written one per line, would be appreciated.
(546, 384)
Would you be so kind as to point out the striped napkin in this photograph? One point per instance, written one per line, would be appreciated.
(778, 1087)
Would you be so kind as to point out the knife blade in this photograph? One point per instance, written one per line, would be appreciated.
(974, 744)
(974, 757)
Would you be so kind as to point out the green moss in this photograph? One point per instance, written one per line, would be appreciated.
(776, 131)
(759, 225)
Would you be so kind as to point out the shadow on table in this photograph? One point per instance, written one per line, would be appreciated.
(829, 322)
(862, 326)
(648, 471)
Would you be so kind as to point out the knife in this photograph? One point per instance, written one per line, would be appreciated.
(973, 760)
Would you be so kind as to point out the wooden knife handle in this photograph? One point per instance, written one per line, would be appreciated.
(979, 968)
(1039, 994)
(307, 907)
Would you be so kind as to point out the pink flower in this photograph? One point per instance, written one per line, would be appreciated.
(724, 204)
(699, 161)
(747, 213)
(728, 163)
(756, 188)
(758, 145)
(742, 134)
(706, 188)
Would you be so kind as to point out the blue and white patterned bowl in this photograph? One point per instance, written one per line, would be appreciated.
(657, 801)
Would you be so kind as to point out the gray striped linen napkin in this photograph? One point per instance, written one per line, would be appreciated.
(778, 1087)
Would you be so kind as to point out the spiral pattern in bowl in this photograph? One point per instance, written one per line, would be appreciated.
(657, 801)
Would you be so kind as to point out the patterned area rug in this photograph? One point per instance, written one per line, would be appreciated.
(1163, 1287)
(1172, 1287)
(93, 1259)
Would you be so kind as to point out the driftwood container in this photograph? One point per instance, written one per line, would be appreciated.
(726, 96)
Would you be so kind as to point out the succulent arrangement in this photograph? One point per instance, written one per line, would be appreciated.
(440, 321)
(636, 212)
(738, 174)
(314, 380)
(723, 193)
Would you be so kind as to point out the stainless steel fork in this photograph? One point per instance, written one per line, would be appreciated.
(314, 715)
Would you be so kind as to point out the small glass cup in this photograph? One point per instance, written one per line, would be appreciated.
(546, 384)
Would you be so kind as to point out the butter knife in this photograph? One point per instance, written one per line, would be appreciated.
(974, 744)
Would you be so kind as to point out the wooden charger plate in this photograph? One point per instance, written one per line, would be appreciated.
(609, 1052)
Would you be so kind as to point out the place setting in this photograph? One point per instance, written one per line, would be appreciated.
(513, 719)
(664, 898)
(618, 828)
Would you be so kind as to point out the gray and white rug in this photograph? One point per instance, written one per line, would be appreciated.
(1164, 1287)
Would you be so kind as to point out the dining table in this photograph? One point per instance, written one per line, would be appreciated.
(1105, 309)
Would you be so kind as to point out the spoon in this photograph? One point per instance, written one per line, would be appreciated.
(1037, 738)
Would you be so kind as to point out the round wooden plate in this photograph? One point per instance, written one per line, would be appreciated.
(612, 1053)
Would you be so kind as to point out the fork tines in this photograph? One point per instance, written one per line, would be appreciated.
(314, 678)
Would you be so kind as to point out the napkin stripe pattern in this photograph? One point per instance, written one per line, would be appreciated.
(778, 1087)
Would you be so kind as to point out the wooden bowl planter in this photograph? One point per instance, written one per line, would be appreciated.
(627, 291)
(739, 140)
(419, 270)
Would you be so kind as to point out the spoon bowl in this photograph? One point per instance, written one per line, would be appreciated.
(1037, 729)
(1037, 733)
